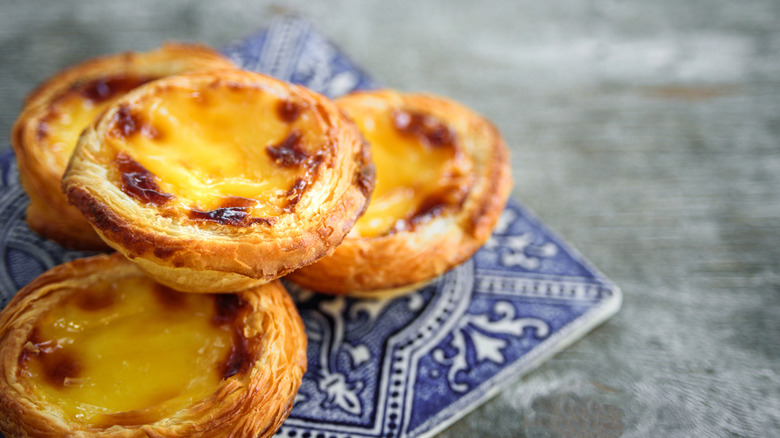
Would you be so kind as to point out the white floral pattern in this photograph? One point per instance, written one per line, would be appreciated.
(519, 250)
(487, 339)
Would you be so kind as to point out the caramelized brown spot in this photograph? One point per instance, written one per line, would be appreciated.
(237, 201)
(226, 216)
(234, 210)
(139, 182)
(288, 111)
(226, 308)
(433, 205)
(164, 251)
(288, 153)
(57, 363)
(236, 216)
(239, 358)
(43, 127)
(59, 366)
(427, 129)
(169, 298)
(102, 89)
(295, 193)
(365, 178)
(92, 301)
(234, 86)
(263, 220)
(126, 123)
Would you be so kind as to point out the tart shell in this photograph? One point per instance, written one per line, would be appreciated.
(216, 257)
(396, 261)
(252, 402)
(49, 213)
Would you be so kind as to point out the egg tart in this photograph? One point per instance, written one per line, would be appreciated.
(54, 115)
(442, 179)
(95, 348)
(219, 181)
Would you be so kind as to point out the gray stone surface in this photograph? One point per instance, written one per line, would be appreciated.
(646, 133)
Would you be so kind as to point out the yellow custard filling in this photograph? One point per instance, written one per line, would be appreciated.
(410, 173)
(75, 110)
(205, 145)
(128, 352)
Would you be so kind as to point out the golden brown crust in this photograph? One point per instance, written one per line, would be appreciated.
(212, 257)
(252, 402)
(49, 213)
(372, 265)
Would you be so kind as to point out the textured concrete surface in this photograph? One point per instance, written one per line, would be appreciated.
(646, 133)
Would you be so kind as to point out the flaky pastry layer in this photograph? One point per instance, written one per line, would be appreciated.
(453, 217)
(214, 182)
(253, 398)
(54, 115)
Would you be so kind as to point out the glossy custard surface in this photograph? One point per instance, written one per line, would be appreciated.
(128, 352)
(72, 111)
(220, 149)
(420, 170)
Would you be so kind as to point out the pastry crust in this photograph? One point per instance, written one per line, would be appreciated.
(51, 116)
(317, 165)
(419, 248)
(252, 402)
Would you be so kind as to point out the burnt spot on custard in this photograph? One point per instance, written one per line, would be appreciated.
(43, 129)
(426, 128)
(437, 203)
(138, 182)
(93, 300)
(228, 308)
(105, 88)
(126, 123)
(58, 364)
(236, 216)
(365, 177)
(300, 185)
(288, 111)
(289, 152)
(447, 199)
(168, 298)
(234, 210)
(239, 359)
(97, 91)
(237, 202)
(295, 193)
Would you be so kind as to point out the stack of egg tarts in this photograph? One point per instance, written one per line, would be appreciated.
(211, 183)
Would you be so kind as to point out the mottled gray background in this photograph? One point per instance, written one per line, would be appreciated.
(646, 133)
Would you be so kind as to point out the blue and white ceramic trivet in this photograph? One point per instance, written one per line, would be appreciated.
(404, 367)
